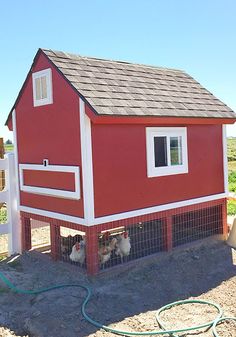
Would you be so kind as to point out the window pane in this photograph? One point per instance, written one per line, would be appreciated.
(44, 87)
(38, 88)
(176, 150)
(160, 151)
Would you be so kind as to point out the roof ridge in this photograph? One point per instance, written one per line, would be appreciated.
(111, 60)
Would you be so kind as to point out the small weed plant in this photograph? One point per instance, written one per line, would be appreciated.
(231, 207)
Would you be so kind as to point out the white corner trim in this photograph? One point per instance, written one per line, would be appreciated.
(225, 159)
(168, 132)
(121, 216)
(53, 215)
(87, 163)
(49, 99)
(51, 191)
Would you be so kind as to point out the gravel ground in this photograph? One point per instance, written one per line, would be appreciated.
(126, 298)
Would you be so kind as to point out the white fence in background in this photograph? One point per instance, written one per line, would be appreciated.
(9, 196)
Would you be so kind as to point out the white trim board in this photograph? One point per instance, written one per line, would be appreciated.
(53, 215)
(125, 215)
(156, 209)
(51, 191)
(87, 163)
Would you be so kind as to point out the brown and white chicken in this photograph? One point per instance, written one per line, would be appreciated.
(123, 245)
(67, 243)
(78, 252)
(104, 251)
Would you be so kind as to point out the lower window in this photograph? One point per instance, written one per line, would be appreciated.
(166, 151)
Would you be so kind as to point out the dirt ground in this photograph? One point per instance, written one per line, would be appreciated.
(126, 297)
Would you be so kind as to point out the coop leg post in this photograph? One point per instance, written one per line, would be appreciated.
(55, 241)
(224, 219)
(26, 233)
(92, 251)
(169, 239)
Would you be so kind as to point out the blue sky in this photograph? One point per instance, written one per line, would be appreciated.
(196, 36)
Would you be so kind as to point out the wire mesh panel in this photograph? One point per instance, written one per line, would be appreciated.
(72, 246)
(197, 224)
(40, 234)
(130, 242)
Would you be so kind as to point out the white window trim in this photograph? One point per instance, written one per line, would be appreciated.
(49, 98)
(152, 132)
(51, 191)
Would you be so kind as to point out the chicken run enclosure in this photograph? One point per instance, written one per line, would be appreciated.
(99, 247)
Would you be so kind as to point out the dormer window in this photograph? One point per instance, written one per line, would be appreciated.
(42, 87)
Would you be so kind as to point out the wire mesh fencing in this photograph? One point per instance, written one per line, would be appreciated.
(40, 235)
(72, 246)
(37, 235)
(111, 244)
(130, 242)
(197, 224)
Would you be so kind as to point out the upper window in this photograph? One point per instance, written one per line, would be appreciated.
(166, 151)
(42, 87)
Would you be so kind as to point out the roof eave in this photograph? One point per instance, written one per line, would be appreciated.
(156, 120)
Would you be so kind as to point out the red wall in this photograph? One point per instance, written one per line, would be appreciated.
(120, 171)
(49, 132)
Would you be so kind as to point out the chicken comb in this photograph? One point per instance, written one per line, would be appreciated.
(106, 235)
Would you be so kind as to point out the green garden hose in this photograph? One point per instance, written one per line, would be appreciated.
(127, 333)
(219, 321)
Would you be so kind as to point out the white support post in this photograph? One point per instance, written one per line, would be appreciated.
(14, 228)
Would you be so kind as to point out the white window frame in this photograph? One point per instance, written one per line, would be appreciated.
(51, 191)
(49, 98)
(168, 132)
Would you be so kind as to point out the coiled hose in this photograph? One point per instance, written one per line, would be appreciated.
(165, 331)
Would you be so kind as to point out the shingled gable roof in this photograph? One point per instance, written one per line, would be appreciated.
(126, 89)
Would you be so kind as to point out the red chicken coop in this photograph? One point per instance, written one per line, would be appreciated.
(120, 160)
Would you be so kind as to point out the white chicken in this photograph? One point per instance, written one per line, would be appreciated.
(78, 252)
(123, 245)
(104, 252)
